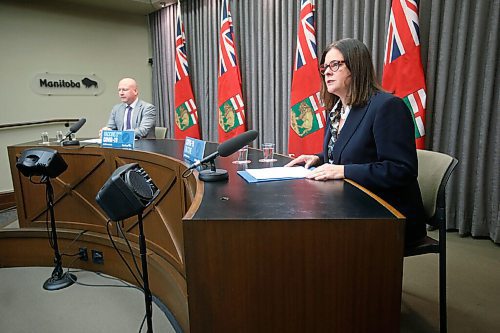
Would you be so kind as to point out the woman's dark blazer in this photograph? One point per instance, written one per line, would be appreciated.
(377, 148)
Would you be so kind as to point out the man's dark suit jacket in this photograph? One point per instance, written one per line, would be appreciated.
(377, 148)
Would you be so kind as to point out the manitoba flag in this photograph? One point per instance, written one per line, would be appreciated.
(186, 113)
(403, 72)
(230, 98)
(307, 114)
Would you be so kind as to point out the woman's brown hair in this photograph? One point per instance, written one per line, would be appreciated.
(363, 80)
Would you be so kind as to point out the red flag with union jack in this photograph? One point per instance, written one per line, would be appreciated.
(186, 113)
(230, 98)
(307, 114)
(403, 72)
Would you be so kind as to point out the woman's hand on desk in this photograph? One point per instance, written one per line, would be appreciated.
(327, 172)
(307, 160)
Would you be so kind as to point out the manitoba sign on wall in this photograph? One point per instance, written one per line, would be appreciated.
(67, 84)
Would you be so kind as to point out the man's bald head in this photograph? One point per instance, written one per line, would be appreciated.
(127, 90)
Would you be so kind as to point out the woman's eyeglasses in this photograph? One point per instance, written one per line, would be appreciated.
(334, 66)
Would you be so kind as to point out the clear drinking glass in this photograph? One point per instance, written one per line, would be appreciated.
(242, 156)
(59, 136)
(267, 152)
(45, 137)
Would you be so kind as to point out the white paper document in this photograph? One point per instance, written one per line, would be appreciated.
(98, 141)
(278, 173)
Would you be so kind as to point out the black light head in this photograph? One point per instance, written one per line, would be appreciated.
(127, 192)
(41, 162)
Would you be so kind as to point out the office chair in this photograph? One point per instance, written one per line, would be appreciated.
(434, 170)
(161, 132)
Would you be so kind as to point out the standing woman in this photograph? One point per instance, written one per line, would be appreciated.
(369, 134)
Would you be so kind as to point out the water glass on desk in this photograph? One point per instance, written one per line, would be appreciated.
(242, 156)
(59, 136)
(45, 138)
(267, 152)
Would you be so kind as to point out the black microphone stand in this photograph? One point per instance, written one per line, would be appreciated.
(213, 175)
(58, 280)
(70, 142)
(147, 292)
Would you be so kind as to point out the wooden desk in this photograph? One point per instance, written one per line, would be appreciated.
(289, 256)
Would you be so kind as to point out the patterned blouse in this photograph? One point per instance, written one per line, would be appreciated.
(338, 112)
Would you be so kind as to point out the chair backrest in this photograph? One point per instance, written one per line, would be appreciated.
(434, 170)
(161, 132)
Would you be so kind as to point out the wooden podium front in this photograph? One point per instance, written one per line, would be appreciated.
(286, 256)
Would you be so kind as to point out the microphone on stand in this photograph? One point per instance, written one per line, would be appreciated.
(73, 129)
(224, 149)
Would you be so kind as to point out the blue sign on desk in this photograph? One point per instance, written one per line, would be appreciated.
(193, 149)
(118, 139)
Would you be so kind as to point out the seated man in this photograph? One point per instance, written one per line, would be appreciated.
(132, 113)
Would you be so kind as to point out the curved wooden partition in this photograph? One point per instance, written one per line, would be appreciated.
(288, 256)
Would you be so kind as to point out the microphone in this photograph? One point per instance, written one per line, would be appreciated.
(206, 159)
(233, 145)
(228, 147)
(73, 129)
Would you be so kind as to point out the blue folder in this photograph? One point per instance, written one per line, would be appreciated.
(251, 179)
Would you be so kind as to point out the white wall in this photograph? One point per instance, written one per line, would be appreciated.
(47, 36)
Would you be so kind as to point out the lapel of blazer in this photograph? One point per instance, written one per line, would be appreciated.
(351, 124)
(120, 114)
(137, 112)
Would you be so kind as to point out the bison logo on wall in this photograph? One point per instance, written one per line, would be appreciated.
(89, 83)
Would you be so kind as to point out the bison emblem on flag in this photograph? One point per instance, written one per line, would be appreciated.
(306, 117)
(231, 114)
(185, 115)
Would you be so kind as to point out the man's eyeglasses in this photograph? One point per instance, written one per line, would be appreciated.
(334, 66)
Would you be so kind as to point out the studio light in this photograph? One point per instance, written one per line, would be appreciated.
(41, 162)
(126, 193)
(47, 163)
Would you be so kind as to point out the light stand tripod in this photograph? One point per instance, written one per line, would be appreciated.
(47, 163)
(127, 193)
(147, 293)
(58, 280)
